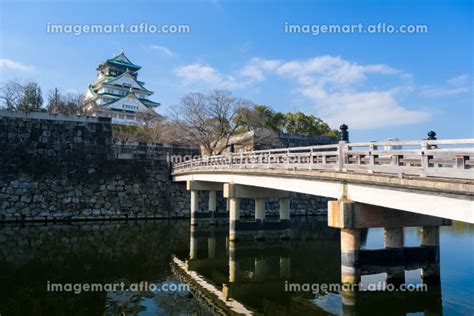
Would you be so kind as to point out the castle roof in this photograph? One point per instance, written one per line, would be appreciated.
(144, 102)
(121, 60)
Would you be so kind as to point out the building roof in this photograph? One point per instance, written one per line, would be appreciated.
(145, 103)
(149, 102)
(121, 60)
(111, 80)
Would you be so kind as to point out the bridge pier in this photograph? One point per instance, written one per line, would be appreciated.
(234, 217)
(212, 187)
(350, 247)
(194, 207)
(212, 206)
(285, 217)
(235, 192)
(394, 259)
(260, 217)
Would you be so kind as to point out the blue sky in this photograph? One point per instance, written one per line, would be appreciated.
(382, 85)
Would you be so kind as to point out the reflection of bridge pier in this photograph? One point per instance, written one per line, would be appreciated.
(254, 270)
(430, 239)
(240, 250)
(394, 259)
(240, 274)
(210, 234)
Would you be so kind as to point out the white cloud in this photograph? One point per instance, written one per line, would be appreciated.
(164, 51)
(204, 75)
(456, 85)
(443, 92)
(337, 90)
(200, 75)
(459, 80)
(362, 110)
(330, 69)
(257, 66)
(13, 65)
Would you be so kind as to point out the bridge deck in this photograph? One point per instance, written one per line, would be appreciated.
(435, 185)
(430, 177)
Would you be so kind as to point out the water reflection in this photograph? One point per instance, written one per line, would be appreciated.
(110, 252)
(241, 277)
(256, 275)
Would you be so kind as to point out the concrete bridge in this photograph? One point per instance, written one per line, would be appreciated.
(390, 184)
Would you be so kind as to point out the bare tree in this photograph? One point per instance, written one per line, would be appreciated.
(266, 138)
(89, 107)
(149, 118)
(17, 96)
(12, 93)
(172, 133)
(67, 104)
(209, 119)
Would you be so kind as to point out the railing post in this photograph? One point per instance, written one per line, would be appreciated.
(311, 159)
(340, 155)
(461, 161)
(425, 159)
(372, 157)
(288, 159)
(343, 140)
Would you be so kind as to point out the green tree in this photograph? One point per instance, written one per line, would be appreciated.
(32, 99)
(301, 124)
(264, 117)
(254, 118)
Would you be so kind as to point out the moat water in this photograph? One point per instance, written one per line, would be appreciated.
(248, 276)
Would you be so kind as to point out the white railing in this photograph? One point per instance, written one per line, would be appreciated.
(425, 158)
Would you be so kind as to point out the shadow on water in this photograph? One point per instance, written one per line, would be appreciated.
(224, 277)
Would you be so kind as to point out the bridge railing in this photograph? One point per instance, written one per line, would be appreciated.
(424, 158)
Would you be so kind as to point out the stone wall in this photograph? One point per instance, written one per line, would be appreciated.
(290, 140)
(63, 168)
(54, 167)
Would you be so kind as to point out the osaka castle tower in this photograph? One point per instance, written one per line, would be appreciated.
(118, 94)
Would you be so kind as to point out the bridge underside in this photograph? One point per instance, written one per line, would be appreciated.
(451, 199)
